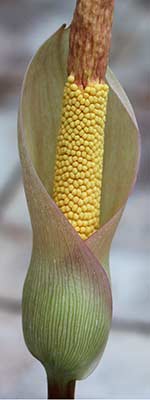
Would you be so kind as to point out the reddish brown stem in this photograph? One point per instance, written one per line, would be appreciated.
(56, 391)
(90, 37)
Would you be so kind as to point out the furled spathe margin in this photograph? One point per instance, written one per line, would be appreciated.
(67, 301)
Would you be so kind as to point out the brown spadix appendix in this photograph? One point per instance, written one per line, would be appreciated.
(79, 149)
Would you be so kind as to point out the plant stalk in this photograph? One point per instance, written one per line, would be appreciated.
(56, 391)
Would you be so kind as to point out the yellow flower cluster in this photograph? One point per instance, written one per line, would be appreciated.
(79, 155)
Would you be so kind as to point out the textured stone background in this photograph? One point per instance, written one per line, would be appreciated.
(125, 367)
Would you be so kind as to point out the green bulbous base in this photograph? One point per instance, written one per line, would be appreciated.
(66, 314)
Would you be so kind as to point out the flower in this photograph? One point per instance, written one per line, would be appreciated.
(67, 301)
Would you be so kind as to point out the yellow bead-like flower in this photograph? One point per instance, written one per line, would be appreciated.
(79, 157)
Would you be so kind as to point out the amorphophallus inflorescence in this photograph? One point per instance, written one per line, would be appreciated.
(79, 148)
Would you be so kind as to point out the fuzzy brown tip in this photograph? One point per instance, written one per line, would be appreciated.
(90, 37)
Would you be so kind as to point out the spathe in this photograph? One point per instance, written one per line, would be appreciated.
(67, 301)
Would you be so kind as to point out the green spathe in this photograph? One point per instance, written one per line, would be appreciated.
(67, 304)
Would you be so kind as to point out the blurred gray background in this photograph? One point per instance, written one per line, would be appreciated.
(124, 371)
